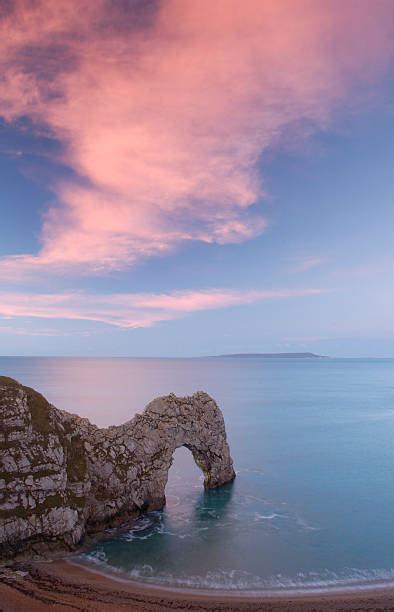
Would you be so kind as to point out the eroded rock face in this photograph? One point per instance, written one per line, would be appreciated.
(61, 476)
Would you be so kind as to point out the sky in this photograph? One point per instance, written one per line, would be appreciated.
(196, 178)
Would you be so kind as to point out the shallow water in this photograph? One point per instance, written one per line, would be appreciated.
(312, 443)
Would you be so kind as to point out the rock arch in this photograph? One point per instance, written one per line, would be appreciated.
(61, 476)
(170, 422)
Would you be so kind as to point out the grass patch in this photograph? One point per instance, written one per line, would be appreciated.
(76, 459)
(6, 381)
(40, 411)
(52, 501)
(76, 501)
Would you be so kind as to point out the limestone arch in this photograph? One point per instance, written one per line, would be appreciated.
(78, 478)
(195, 423)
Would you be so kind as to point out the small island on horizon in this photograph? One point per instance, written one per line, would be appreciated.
(277, 355)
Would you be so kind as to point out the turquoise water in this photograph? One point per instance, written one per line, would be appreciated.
(313, 447)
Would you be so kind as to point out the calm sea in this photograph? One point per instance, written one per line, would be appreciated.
(313, 447)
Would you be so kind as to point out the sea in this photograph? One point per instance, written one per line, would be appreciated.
(312, 505)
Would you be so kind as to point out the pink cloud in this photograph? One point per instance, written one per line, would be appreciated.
(165, 123)
(132, 310)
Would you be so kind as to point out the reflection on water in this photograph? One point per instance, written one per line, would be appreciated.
(312, 443)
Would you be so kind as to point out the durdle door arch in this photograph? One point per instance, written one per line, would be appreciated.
(61, 476)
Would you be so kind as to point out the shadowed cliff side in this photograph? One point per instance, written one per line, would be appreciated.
(61, 476)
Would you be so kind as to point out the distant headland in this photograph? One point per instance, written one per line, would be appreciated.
(277, 355)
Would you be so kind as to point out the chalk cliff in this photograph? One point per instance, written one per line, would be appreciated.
(61, 476)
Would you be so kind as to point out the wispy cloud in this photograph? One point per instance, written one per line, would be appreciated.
(133, 310)
(26, 331)
(308, 263)
(165, 112)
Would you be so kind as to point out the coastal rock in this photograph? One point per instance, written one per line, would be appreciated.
(61, 476)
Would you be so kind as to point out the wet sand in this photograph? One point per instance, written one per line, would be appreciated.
(62, 585)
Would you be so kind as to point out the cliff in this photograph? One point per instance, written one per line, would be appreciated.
(61, 476)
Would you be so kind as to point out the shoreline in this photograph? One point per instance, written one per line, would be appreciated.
(340, 588)
(66, 584)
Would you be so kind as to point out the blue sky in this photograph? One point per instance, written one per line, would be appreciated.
(280, 239)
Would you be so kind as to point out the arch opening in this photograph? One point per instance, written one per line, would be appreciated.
(184, 469)
(184, 482)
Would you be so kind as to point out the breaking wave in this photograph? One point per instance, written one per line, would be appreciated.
(238, 580)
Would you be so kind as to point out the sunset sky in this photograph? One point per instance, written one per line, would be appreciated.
(196, 177)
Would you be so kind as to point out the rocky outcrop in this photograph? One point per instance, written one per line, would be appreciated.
(61, 476)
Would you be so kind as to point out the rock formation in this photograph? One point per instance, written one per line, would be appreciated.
(61, 476)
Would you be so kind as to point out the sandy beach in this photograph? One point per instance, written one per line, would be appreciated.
(63, 585)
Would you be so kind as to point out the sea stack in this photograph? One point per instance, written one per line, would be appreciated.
(62, 477)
